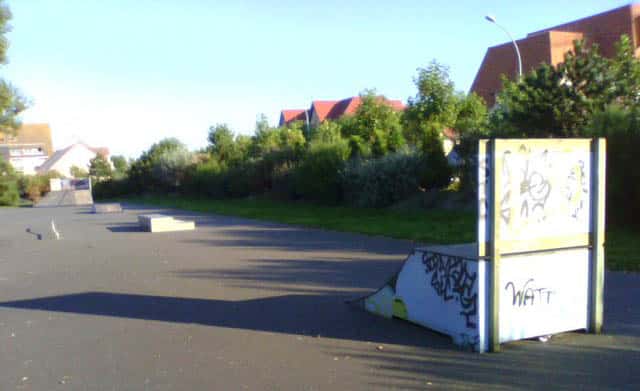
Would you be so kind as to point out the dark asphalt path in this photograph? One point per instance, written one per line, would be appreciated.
(240, 304)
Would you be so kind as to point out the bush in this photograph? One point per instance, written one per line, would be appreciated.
(382, 182)
(170, 166)
(111, 188)
(9, 195)
(33, 187)
(78, 172)
(435, 171)
(206, 179)
(622, 129)
(244, 180)
(318, 176)
(159, 168)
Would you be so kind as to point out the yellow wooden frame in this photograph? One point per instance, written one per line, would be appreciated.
(595, 238)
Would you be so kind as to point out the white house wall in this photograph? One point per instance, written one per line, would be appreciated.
(27, 164)
(76, 156)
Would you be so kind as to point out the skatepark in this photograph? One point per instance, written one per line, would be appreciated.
(242, 304)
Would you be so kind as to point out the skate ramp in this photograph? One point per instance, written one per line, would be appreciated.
(538, 265)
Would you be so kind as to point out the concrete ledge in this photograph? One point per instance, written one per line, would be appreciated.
(107, 208)
(163, 223)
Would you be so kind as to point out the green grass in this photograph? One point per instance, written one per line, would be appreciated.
(21, 204)
(422, 226)
(432, 226)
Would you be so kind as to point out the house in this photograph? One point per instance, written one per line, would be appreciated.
(322, 110)
(29, 148)
(289, 116)
(551, 44)
(78, 155)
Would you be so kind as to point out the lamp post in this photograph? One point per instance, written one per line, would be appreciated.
(492, 19)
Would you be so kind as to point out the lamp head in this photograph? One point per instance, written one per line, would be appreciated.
(490, 18)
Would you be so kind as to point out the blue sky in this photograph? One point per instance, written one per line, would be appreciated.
(124, 74)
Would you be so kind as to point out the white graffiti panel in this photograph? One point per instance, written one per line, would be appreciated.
(543, 293)
(544, 192)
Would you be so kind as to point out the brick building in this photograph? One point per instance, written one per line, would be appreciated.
(550, 45)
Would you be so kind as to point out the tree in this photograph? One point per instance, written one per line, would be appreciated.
(435, 103)
(120, 165)
(100, 168)
(226, 148)
(170, 165)
(326, 132)
(141, 170)
(375, 123)
(626, 69)
(621, 127)
(9, 194)
(437, 106)
(6, 169)
(78, 172)
(560, 101)
(11, 101)
(222, 143)
(267, 140)
(472, 114)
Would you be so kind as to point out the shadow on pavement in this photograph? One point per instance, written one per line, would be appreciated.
(310, 315)
(125, 227)
(303, 275)
(522, 365)
(571, 361)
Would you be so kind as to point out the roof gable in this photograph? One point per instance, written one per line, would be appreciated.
(288, 116)
(322, 108)
(59, 154)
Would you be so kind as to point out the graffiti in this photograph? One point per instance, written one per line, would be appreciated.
(483, 184)
(505, 201)
(528, 294)
(535, 186)
(452, 280)
(577, 190)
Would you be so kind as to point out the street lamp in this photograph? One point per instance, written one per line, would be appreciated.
(492, 19)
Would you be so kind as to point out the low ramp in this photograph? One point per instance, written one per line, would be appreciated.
(65, 198)
(163, 223)
(436, 287)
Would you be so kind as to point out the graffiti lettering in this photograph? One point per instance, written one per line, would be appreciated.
(535, 186)
(577, 190)
(505, 201)
(528, 294)
(451, 279)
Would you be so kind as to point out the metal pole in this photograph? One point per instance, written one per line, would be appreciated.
(515, 44)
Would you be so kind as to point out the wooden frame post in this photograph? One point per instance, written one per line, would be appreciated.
(495, 185)
(598, 179)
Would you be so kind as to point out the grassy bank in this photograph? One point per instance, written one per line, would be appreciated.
(423, 226)
(432, 226)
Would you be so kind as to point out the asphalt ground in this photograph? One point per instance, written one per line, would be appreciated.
(246, 305)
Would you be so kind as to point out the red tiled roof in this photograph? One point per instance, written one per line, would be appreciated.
(323, 108)
(287, 116)
(332, 109)
(396, 104)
